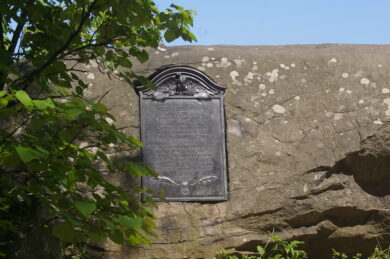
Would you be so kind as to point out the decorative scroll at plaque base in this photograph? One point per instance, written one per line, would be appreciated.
(183, 132)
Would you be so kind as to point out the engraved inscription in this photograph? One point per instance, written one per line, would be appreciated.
(182, 141)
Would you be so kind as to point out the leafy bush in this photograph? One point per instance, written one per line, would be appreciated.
(277, 248)
(45, 46)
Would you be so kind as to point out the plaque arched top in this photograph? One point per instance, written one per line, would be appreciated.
(181, 81)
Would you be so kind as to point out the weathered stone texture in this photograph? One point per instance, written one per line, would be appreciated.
(307, 146)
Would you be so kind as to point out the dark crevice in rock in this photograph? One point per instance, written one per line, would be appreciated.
(340, 216)
(370, 166)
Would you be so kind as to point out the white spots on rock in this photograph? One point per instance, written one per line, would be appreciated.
(278, 153)
(255, 68)
(209, 64)
(86, 92)
(297, 98)
(93, 63)
(341, 89)
(327, 91)
(286, 68)
(213, 59)
(273, 76)
(174, 54)
(292, 65)
(332, 60)
(235, 129)
(278, 108)
(224, 63)
(348, 91)
(364, 81)
(385, 90)
(248, 78)
(304, 68)
(210, 49)
(303, 80)
(167, 56)
(83, 144)
(217, 76)
(358, 73)
(361, 101)
(202, 68)
(157, 52)
(205, 59)
(285, 122)
(109, 121)
(282, 65)
(91, 76)
(264, 94)
(116, 72)
(345, 75)
(337, 116)
(238, 62)
(373, 85)
(305, 188)
(380, 65)
(272, 91)
(387, 102)
(233, 75)
(161, 49)
(378, 122)
(254, 63)
(261, 86)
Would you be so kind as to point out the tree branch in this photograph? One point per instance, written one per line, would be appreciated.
(35, 72)
(1, 32)
(19, 28)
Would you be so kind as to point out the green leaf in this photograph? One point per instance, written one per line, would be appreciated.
(117, 237)
(169, 36)
(100, 108)
(3, 102)
(124, 62)
(85, 208)
(24, 98)
(2, 93)
(132, 223)
(139, 169)
(260, 250)
(27, 154)
(135, 141)
(96, 236)
(43, 104)
(65, 232)
(142, 56)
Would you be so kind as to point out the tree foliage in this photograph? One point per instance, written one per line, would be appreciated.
(44, 115)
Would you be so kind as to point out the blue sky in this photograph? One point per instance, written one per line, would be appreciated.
(280, 22)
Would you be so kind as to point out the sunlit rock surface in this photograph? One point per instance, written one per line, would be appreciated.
(308, 147)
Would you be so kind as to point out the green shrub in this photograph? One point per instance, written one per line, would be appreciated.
(277, 248)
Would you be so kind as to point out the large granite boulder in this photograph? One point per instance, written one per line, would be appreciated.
(308, 148)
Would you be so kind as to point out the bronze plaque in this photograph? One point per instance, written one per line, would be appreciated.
(183, 133)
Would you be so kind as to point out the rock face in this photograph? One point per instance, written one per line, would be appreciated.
(308, 148)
